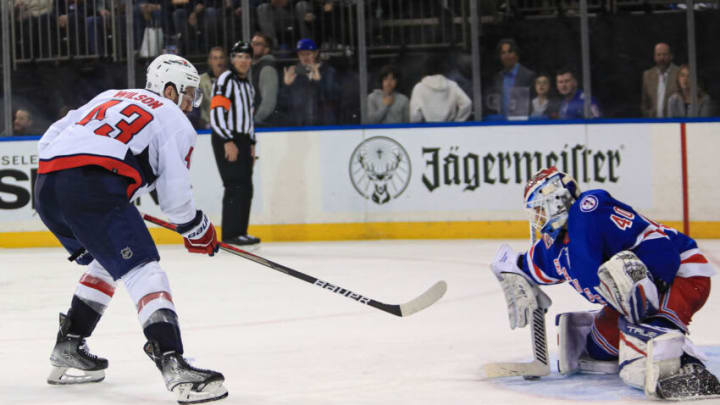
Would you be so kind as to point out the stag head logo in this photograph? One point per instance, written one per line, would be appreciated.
(380, 169)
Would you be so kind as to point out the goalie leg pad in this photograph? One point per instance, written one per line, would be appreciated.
(674, 371)
(573, 331)
(644, 347)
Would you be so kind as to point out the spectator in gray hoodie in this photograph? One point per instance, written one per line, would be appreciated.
(385, 105)
(437, 99)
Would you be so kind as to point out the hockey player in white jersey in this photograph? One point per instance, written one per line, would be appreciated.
(93, 163)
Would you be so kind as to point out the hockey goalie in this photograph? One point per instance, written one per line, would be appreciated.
(648, 279)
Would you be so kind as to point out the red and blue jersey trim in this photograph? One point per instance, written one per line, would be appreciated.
(114, 165)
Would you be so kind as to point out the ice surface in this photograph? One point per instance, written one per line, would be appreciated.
(279, 340)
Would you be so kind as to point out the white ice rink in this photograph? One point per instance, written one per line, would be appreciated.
(279, 340)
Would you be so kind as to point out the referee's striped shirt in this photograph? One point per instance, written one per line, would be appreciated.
(231, 107)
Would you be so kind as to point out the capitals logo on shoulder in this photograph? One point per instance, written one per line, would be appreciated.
(588, 203)
(380, 169)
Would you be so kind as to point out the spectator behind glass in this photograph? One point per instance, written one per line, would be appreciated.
(659, 82)
(312, 91)
(217, 63)
(277, 19)
(87, 17)
(32, 21)
(148, 13)
(680, 102)
(385, 105)
(572, 106)
(545, 105)
(511, 85)
(437, 99)
(22, 122)
(266, 81)
(180, 10)
(197, 24)
(322, 19)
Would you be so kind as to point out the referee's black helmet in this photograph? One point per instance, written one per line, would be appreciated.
(241, 47)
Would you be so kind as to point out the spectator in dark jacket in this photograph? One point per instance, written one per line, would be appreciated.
(311, 91)
(512, 86)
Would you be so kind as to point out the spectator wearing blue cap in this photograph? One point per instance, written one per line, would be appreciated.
(311, 93)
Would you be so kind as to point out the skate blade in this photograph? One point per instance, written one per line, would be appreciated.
(68, 375)
(212, 392)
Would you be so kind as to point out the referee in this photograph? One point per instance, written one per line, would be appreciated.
(233, 141)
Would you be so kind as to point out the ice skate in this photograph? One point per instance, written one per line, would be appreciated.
(692, 381)
(72, 361)
(190, 384)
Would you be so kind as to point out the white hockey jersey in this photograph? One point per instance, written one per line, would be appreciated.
(134, 133)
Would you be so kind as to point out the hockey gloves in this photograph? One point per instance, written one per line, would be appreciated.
(522, 296)
(626, 284)
(199, 235)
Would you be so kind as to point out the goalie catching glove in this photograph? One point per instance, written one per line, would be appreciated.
(199, 235)
(626, 284)
(522, 296)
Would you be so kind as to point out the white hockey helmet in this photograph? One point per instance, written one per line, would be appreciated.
(548, 197)
(176, 70)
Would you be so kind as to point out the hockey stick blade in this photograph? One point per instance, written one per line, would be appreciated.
(424, 300)
(531, 369)
(537, 368)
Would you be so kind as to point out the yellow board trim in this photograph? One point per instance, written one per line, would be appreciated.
(358, 231)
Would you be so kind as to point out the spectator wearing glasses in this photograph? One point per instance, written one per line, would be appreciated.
(265, 80)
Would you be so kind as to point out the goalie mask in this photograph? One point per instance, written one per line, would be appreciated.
(176, 70)
(548, 197)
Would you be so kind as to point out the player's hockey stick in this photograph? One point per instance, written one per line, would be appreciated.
(424, 300)
(540, 366)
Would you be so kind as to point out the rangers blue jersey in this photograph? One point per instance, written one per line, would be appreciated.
(600, 226)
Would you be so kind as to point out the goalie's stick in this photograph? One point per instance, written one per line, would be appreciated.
(539, 366)
(424, 300)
